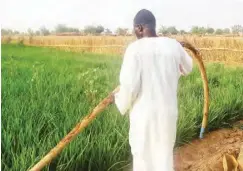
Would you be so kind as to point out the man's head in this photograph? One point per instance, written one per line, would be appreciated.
(144, 24)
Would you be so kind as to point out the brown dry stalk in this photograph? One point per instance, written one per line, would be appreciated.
(109, 100)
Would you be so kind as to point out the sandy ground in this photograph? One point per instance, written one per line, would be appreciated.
(207, 154)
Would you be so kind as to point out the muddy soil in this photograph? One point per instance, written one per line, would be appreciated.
(207, 154)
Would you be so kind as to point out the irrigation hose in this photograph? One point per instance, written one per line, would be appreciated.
(109, 100)
(199, 60)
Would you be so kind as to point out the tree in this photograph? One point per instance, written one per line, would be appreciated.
(99, 29)
(226, 31)
(172, 30)
(5, 32)
(195, 30)
(210, 30)
(61, 28)
(37, 33)
(70, 29)
(90, 29)
(198, 30)
(93, 29)
(236, 29)
(122, 31)
(44, 31)
(219, 31)
(163, 30)
(202, 30)
(182, 32)
(30, 32)
(16, 32)
(107, 31)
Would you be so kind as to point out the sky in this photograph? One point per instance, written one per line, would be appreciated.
(24, 14)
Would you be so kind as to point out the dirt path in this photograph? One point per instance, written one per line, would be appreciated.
(207, 154)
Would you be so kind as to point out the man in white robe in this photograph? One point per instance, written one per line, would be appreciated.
(148, 88)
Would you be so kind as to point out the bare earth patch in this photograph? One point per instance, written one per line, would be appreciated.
(207, 154)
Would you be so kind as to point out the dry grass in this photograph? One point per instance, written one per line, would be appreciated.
(223, 49)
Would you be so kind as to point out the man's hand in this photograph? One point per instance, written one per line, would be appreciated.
(112, 96)
(116, 90)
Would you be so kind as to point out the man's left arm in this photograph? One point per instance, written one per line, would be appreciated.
(129, 80)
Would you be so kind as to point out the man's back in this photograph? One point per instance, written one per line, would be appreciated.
(159, 60)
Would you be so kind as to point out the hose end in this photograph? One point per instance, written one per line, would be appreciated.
(202, 132)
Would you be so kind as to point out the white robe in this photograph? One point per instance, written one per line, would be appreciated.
(148, 88)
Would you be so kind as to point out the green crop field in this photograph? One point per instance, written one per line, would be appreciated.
(45, 92)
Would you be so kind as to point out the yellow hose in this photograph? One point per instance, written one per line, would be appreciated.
(199, 60)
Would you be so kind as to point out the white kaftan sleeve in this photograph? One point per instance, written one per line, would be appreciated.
(186, 61)
(129, 80)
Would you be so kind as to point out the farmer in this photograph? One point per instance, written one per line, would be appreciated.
(148, 88)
